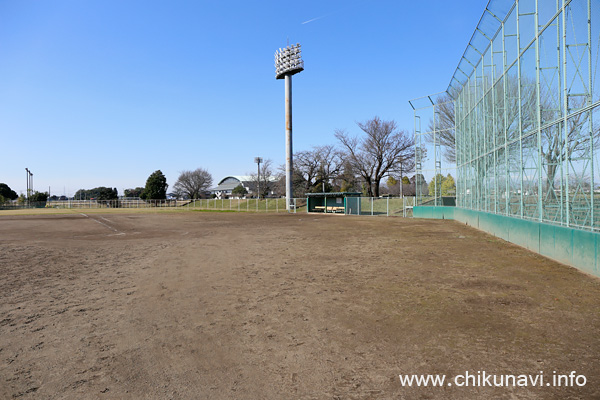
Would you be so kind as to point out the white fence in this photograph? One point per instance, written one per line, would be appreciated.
(370, 206)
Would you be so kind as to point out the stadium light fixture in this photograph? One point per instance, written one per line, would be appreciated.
(288, 62)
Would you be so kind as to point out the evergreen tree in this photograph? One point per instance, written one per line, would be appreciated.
(239, 190)
(7, 192)
(156, 186)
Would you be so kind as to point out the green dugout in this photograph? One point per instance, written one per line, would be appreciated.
(334, 202)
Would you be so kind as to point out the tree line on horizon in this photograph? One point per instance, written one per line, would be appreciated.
(358, 164)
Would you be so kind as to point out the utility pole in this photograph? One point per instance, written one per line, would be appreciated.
(29, 182)
(288, 62)
(258, 160)
(401, 183)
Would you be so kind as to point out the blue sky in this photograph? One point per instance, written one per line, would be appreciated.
(104, 92)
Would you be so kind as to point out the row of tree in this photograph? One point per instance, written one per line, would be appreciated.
(190, 184)
(358, 164)
(99, 193)
(7, 194)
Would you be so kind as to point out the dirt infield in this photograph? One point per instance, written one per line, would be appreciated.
(241, 306)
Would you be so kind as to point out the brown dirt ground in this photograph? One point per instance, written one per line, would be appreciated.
(196, 305)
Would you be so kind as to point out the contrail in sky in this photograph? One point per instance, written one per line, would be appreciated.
(331, 13)
(314, 19)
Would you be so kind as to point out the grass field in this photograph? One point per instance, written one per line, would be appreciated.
(163, 304)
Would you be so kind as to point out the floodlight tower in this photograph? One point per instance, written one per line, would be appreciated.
(28, 180)
(258, 160)
(287, 63)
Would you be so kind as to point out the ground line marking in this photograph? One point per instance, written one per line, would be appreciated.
(102, 223)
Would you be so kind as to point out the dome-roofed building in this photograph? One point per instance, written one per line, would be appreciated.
(227, 184)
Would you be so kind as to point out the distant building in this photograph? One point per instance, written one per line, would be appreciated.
(227, 184)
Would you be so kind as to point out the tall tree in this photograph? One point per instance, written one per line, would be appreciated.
(137, 192)
(306, 167)
(444, 123)
(318, 167)
(193, 183)
(555, 149)
(98, 193)
(393, 185)
(445, 119)
(382, 150)
(39, 197)
(330, 165)
(156, 186)
(347, 179)
(7, 192)
(445, 185)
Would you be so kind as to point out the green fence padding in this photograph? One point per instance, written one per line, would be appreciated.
(597, 270)
(433, 212)
(583, 242)
(422, 212)
(575, 247)
(449, 212)
(557, 242)
(524, 233)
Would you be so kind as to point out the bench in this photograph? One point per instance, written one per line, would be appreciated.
(330, 209)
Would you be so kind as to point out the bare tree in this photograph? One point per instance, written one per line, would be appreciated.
(306, 168)
(556, 146)
(444, 124)
(556, 150)
(318, 167)
(330, 165)
(267, 179)
(444, 121)
(347, 179)
(193, 183)
(384, 149)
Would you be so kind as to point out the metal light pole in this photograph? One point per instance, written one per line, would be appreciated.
(258, 160)
(29, 182)
(287, 63)
(401, 183)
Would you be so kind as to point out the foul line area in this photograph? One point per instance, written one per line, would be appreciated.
(117, 232)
